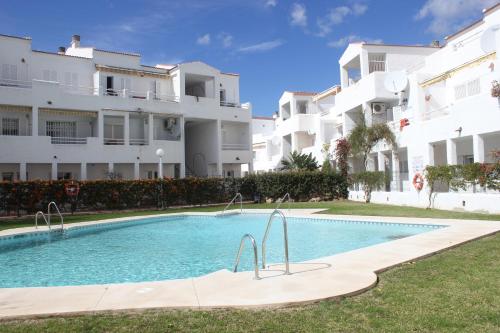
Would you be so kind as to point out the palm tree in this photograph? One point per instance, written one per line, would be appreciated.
(363, 138)
(298, 161)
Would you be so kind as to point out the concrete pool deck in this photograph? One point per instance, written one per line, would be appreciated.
(343, 274)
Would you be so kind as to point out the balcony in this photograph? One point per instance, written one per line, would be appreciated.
(235, 146)
(15, 83)
(114, 141)
(59, 140)
(138, 142)
(230, 104)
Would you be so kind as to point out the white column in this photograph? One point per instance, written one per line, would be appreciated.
(111, 167)
(431, 154)
(381, 161)
(34, 121)
(219, 145)
(136, 170)
(182, 165)
(126, 128)
(54, 170)
(150, 128)
(83, 171)
(451, 152)
(395, 172)
(22, 171)
(364, 63)
(100, 127)
(344, 78)
(478, 147)
(294, 143)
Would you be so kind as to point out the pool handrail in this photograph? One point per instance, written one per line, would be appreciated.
(285, 234)
(52, 203)
(287, 196)
(44, 218)
(255, 255)
(232, 201)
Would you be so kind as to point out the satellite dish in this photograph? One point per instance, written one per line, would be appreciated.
(488, 41)
(396, 81)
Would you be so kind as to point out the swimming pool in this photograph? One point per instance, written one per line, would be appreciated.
(176, 247)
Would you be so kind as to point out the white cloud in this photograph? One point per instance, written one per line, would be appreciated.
(203, 40)
(261, 47)
(342, 42)
(271, 3)
(448, 15)
(337, 15)
(226, 39)
(298, 15)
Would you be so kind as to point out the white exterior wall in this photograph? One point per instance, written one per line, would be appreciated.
(445, 127)
(76, 85)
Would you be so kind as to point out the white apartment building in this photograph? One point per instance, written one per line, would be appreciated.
(436, 99)
(86, 113)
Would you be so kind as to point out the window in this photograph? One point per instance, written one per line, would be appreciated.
(468, 159)
(376, 62)
(8, 176)
(10, 126)
(152, 174)
(64, 175)
(460, 91)
(473, 87)
(110, 86)
(60, 129)
(49, 75)
(9, 73)
(222, 95)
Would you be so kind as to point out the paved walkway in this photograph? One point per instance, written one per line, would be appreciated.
(343, 274)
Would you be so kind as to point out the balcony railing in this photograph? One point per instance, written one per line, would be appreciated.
(113, 141)
(235, 146)
(60, 140)
(15, 83)
(230, 104)
(138, 142)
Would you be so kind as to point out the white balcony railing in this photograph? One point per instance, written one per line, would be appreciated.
(230, 104)
(235, 146)
(14, 83)
(138, 142)
(60, 140)
(436, 113)
(113, 141)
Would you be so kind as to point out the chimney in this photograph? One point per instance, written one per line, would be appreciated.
(75, 41)
(61, 50)
(435, 43)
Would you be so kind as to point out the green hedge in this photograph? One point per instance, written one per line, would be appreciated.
(31, 196)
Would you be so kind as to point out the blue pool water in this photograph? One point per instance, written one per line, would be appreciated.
(164, 248)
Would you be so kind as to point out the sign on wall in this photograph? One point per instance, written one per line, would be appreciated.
(417, 164)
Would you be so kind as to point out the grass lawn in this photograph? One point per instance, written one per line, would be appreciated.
(333, 207)
(455, 291)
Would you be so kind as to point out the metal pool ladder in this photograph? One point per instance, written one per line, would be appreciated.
(45, 219)
(286, 196)
(52, 203)
(255, 255)
(238, 195)
(285, 234)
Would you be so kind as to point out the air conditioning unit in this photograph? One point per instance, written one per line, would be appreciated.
(378, 108)
(169, 123)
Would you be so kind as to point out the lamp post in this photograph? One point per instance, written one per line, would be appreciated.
(160, 153)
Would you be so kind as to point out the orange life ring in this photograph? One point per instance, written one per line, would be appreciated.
(418, 181)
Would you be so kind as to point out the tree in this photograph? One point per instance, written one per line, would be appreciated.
(298, 161)
(327, 156)
(369, 180)
(363, 138)
(342, 150)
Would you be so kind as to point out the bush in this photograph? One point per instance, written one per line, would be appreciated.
(369, 180)
(31, 196)
(458, 177)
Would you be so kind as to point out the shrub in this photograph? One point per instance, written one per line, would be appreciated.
(31, 196)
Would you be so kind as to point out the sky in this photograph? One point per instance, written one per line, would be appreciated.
(274, 45)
